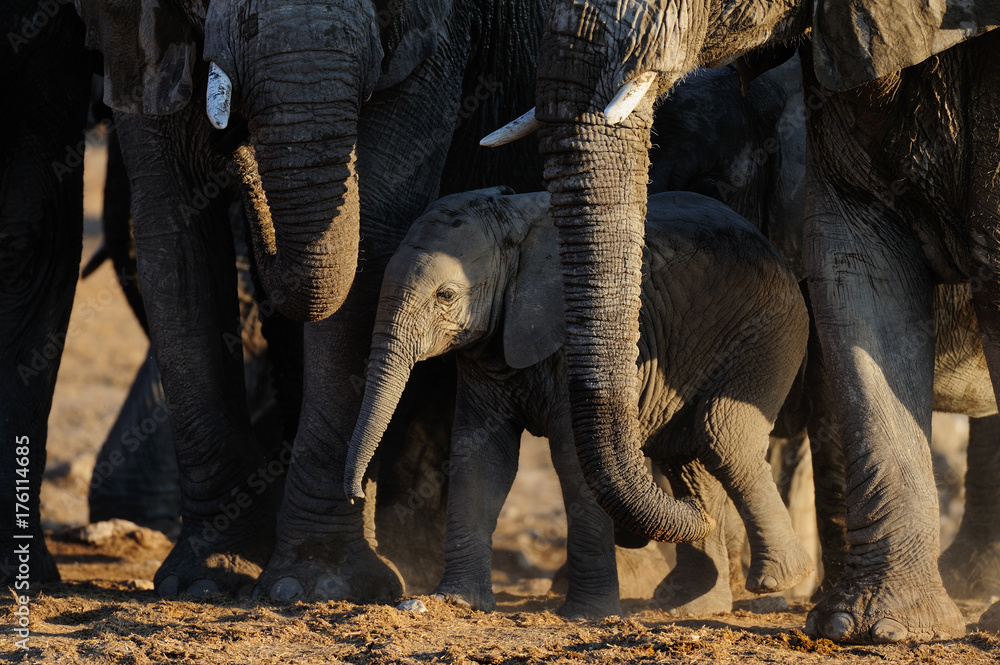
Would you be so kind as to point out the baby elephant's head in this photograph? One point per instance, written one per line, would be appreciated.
(474, 265)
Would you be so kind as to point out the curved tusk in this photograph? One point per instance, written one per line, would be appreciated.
(628, 97)
(219, 96)
(516, 129)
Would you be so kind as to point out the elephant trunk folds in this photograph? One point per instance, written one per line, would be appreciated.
(304, 221)
(597, 179)
(389, 368)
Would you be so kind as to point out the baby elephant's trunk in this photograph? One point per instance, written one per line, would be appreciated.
(388, 370)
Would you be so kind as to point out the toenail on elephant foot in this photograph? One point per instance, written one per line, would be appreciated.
(769, 584)
(332, 587)
(887, 631)
(286, 589)
(868, 614)
(838, 626)
(169, 587)
(203, 588)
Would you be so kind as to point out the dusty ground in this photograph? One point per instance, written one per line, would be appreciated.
(105, 611)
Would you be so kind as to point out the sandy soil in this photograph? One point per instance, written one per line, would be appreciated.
(106, 612)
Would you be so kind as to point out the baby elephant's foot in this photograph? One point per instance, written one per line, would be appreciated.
(990, 620)
(875, 610)
(685, 595)
(358, 575)
(474, 596)
(971, 569)
(779, 569)
(581, 605)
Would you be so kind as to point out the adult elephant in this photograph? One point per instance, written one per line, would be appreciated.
(46, 75)
(902, 160)
(745, 145)
(343, 154)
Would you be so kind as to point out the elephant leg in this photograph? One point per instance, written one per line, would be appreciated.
(484, 456)
(970, 567)
(186, 260)
(735, 451)
(135, 476)
(982, 484)
(699, 584)
(590, 541)
(872, 298)
(41, 227)
(326, 547)
(828, 469)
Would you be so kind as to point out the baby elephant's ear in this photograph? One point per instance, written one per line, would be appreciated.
(534, 326)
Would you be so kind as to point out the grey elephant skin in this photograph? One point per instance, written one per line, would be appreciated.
(744, 144)
(898, 200)
(46, 78)
(724, 332)
(335, 159)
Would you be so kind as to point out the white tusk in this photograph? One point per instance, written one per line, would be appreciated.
(628, 97)
(516, 129)
(220, 93)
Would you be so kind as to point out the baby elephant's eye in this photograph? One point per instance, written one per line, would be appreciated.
(446, 295)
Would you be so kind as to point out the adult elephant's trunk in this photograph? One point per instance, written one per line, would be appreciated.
(302, 191)
(297, 71)
(389, 367)
(597, 175)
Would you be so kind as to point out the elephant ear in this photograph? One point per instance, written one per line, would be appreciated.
(855, 41)
(149, 49)
(410, 33)
(534, 326)
(757, 62)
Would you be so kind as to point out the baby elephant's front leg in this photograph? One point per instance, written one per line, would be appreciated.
(483, 465)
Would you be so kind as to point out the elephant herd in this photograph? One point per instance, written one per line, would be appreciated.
(571, 289)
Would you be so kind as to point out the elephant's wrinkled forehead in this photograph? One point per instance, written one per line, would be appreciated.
(459, 224)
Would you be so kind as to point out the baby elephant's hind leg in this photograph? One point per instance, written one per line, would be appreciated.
(734, 450)
(699, 583)
(590, 547)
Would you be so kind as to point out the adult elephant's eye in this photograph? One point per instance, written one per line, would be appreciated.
(446, 295)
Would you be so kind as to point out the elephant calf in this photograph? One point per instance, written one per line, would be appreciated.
(723, 332)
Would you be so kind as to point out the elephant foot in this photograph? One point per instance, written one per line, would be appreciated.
(990, 620)
(779, 569)
(873, 610)
(477, 597)
(39, 568)
(319, 573)
(206, 562)
(971, 569)
(581, 606)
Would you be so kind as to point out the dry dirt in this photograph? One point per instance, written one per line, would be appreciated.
(105, 612)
